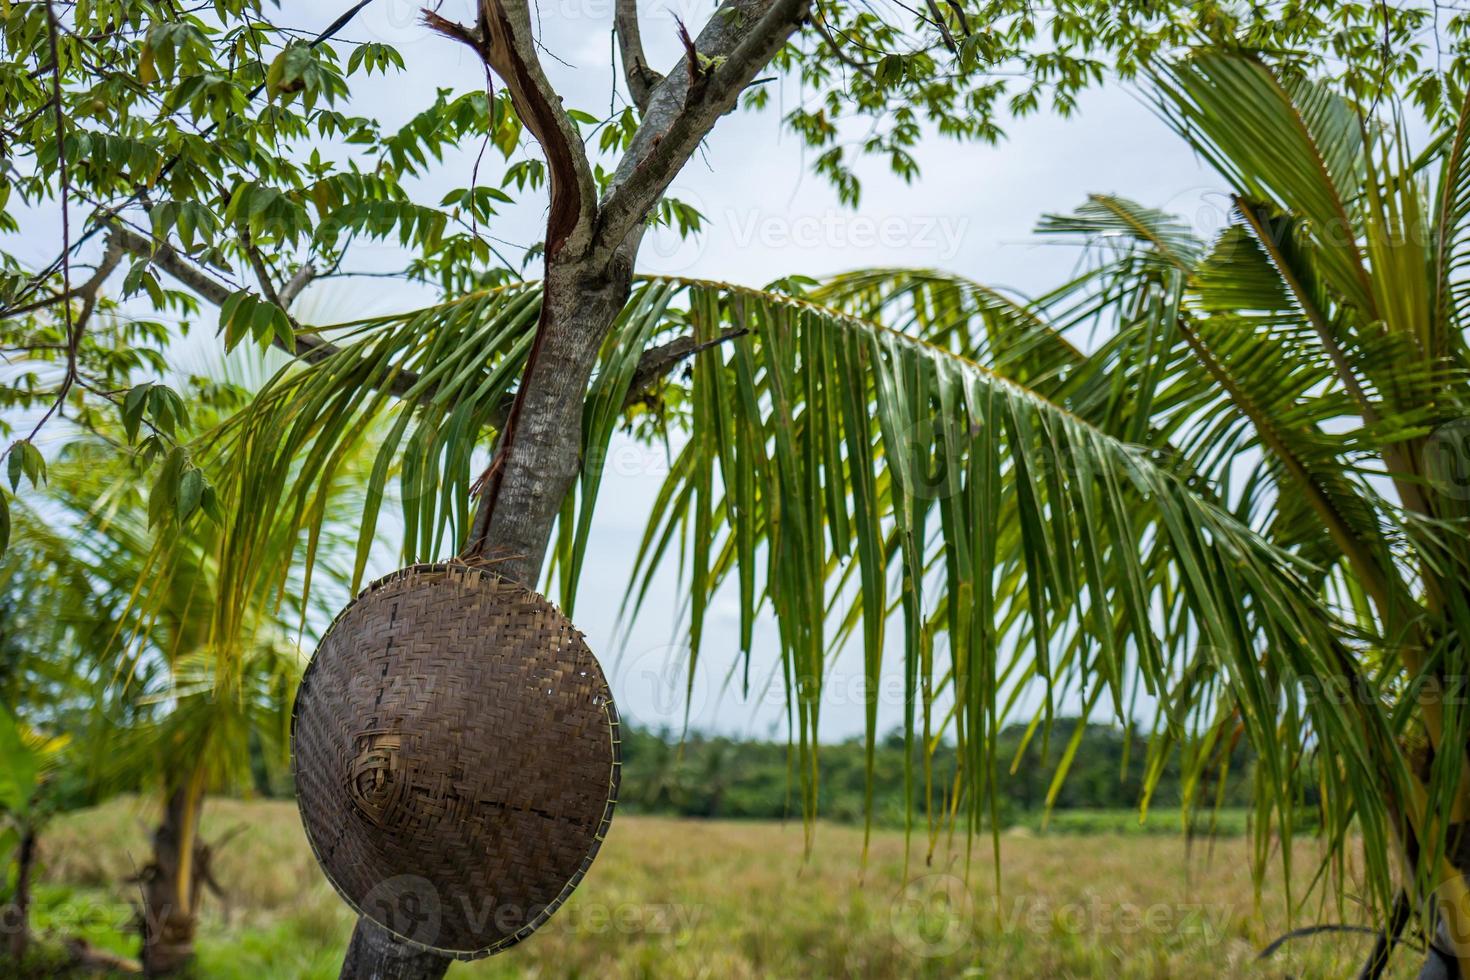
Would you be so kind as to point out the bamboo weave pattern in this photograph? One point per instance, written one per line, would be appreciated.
(456, 755)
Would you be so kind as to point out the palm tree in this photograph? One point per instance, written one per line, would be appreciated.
(1229, 516)
(1308, 368)
(187, 735)
(208, 681)
(60, 713)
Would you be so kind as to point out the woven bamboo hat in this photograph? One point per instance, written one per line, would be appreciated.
(456, 756)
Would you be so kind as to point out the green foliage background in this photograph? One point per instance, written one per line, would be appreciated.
(724, 777)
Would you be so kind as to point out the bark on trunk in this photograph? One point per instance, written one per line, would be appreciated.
(17, 915)
(542, 453)
(376, 954)
(168, 919)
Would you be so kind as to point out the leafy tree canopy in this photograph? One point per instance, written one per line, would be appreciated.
(191, 138)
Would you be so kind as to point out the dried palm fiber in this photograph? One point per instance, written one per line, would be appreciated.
(456, 756)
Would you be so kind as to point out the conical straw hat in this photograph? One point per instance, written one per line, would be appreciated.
(455, 748)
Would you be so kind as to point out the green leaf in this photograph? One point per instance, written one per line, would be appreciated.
(191, 489)
(147, 72)
(283, 331)
(132, 409)
(165, 492)
(33, 463)
(236, 315)
(209, 503)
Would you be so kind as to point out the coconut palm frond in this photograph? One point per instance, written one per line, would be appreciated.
(1018, 543)
(412, 390)
(1293, 143)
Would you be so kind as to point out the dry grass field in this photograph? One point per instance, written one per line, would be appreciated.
(679, 898)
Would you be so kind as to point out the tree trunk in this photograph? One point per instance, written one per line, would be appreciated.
(170, 885)
(541, 447)
(534, 468)
(376, 954)
(17, 915)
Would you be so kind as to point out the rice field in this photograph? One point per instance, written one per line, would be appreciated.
(683, 898)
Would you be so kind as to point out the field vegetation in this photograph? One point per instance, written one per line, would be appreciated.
(1100, 904)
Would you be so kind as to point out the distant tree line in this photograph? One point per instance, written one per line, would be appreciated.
(718, 776)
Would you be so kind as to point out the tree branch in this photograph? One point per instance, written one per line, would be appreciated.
(944, 32)
(658, 362)
(167, 258)
(105, 218)
(740, 39)
(300, 279)
(837, 52)
(87, 291)
(504, 40)
(92, 288)
(289, 290)
(309, 347)
(262, 274)
(642, 79)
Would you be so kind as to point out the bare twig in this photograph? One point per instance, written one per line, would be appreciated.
(641, 78)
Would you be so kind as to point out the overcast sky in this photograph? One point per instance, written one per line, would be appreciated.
(972, 211)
